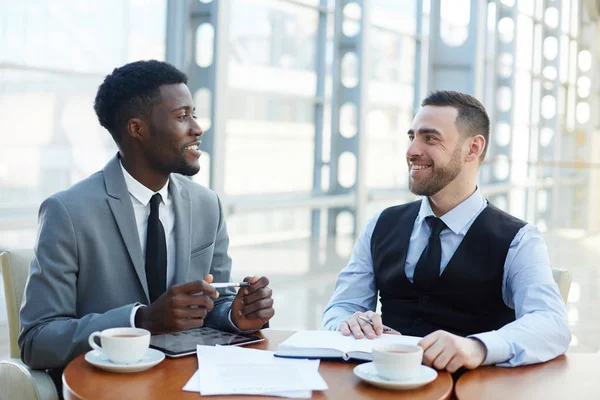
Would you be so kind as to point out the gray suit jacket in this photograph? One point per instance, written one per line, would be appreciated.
(89, 272)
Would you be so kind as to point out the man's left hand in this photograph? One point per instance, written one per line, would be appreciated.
(253, 305)
(445, 351)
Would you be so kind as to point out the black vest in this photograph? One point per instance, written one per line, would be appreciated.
(467, 298)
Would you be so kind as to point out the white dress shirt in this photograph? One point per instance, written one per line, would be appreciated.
(140, 199)
(540, 331)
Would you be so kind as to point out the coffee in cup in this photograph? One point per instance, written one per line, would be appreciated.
(122, 345)
(395, 361)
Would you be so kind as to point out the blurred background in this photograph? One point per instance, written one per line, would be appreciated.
(305, 105)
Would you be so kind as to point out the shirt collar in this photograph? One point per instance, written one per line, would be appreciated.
(141, 192)
(457, 218)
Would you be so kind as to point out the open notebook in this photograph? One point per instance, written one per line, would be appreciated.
(332, 344)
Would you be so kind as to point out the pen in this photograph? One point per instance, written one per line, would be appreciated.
(229, 284)
(385, 328)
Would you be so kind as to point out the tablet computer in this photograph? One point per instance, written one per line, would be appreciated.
(184, 343)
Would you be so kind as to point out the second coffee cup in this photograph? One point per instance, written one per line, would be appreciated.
(397, 361)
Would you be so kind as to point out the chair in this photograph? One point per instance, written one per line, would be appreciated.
(563, 280)
(17, 380)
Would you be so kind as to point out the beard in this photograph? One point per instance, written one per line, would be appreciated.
(440, 177)
(185, 168)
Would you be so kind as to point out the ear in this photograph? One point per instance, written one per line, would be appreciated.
(476, 146)
(136, 128)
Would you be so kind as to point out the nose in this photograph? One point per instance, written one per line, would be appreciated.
(414, 149)
(196, 130)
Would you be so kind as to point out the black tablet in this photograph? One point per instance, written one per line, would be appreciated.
(184, 343)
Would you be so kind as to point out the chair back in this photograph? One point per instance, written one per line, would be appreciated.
(14, 265)
(563, 280)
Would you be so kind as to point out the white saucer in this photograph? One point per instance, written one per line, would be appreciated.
(100, 360)
(367, 373)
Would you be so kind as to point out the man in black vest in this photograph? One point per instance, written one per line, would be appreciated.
(474, 281)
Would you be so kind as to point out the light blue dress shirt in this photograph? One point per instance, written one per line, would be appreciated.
(540, 332)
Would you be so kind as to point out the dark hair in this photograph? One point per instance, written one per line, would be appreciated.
(130, 91)
(472, 118)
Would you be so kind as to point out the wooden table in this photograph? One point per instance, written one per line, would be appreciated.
(572, 376)
(81, 380)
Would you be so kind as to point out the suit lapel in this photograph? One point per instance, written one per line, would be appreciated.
(122, 209)
(183, 229)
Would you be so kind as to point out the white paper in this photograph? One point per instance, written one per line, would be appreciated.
(346, 344)
(193, 385)
(237, 370)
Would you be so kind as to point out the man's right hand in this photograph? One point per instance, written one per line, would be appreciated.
(360, 328)
(180, 308)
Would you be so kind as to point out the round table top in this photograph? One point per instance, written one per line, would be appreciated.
(571, 376)
(81, 380)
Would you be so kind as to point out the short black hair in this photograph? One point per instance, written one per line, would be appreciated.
(472, 119)
(131, 90)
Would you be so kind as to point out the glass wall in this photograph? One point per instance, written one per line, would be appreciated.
(53, 56)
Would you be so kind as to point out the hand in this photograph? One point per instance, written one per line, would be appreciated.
(180, 308)
(445, 351)
(253, 305)
(358, 327)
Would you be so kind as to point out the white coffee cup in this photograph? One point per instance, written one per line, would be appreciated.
(396, 362)
(122, 345)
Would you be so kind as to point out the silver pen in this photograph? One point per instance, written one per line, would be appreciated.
(229, 284)
(385, 327)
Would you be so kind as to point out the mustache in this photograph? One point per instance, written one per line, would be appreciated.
(418, 159)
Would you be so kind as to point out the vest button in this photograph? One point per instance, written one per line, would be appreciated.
(418, 321)
(425, 299)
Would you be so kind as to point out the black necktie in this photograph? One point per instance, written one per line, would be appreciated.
(427, 270)
(156, 252)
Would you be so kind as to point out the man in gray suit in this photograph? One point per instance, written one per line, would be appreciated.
(133, 244)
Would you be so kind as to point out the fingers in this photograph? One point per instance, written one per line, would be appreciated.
(256, 299)
(260, 294)
(360, 328)
(344, 328)
(366, 328)
(256, 284)
(377, 322)
(432, 351)
(192, 301)
(442, 360)
(256, 306)
(354, 325)
(428, 340)
(194, 287)
(191, 313)
(454, 364)
(262, 310)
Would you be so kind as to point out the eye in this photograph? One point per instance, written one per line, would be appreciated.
(429, 138)
(194, 116)
(182, 117)
(411, 138)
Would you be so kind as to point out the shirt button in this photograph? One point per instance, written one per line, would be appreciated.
(425, 299)
(418, 321)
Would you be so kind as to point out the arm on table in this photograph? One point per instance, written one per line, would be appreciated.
(355, 289)
(541, 331)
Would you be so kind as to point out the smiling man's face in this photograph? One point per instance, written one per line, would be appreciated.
(435, 155)
(174, 145)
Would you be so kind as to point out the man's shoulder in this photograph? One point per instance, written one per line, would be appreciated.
(503, 216)
(87, 190)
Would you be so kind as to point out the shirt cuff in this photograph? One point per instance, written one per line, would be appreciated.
(132, 316)
(498, 349)
(235, 328)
